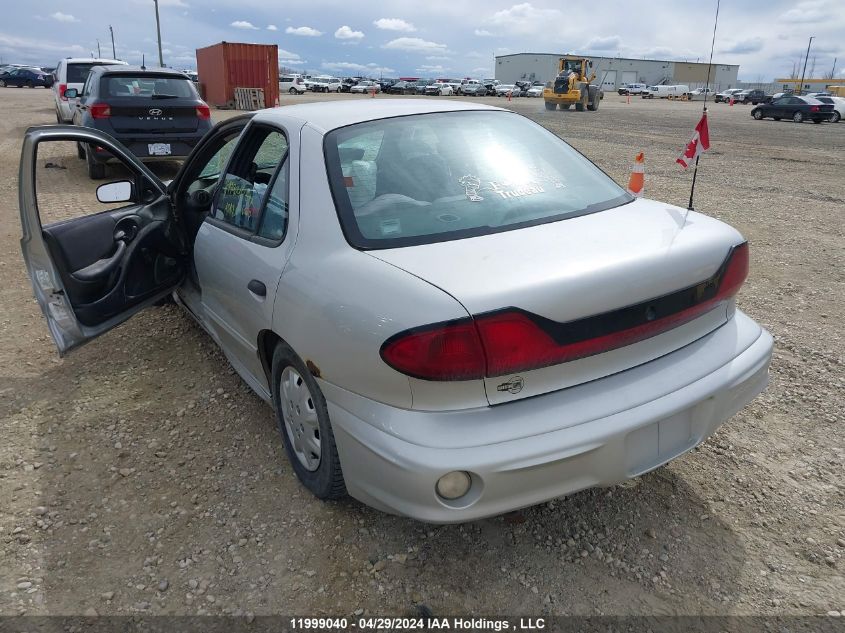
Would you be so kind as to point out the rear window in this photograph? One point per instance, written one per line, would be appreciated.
(147, 87)
(436, 177)
(78, 73)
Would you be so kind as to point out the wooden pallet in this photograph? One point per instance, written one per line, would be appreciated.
(249, 98)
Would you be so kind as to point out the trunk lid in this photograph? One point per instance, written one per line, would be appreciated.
(153, 116)
(576, 268)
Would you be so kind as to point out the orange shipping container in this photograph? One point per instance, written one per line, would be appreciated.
(228, 65)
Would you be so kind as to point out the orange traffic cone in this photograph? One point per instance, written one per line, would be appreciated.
(277, 103)
(629, 98)
(373, 92)
(509, 95)
(637, 180)
(731, 102)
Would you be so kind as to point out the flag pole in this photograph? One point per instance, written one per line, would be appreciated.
(704, 109)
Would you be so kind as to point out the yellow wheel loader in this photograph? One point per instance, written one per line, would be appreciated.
(572, 86)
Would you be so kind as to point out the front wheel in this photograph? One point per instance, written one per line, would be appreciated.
(303, 421)
(798, 117)
(29, 83)
(2, 84)
(292, 91)
(834, 118)
(757, 114)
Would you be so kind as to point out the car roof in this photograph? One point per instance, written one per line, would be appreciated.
(330, 115)
(137, 70)
(92, 60)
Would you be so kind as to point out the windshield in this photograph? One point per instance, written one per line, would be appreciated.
(77, 73)
(148, 86)
(435, 177)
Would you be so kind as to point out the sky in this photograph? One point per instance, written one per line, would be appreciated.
(434, 38)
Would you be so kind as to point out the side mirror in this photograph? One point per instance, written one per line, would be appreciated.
(71, 93)
(119, 191)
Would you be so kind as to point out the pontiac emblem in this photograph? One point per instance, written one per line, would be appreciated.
(155, 112)
(514, 385)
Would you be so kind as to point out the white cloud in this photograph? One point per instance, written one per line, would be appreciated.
(438, 58)
(483, 33)
(395, 24)
(525, 19)
(743, 47)
(272, 27)
(361, 68)
(809, 11)
(288, 56)
(305, 31)
(427, 68)
(243, 24)
(346, 33)
(58, 16)
(415, 45)
(172, 3)
(609, 43)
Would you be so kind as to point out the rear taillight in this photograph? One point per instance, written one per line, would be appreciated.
(100, 110)
(814, 108)
(203, 112)
(448, 351)
(62, 89)
(511, 340)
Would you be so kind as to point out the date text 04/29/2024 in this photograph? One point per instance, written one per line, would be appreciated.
(373, 623)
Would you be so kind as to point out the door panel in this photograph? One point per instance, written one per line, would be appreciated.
(236, 251)
(93, 272)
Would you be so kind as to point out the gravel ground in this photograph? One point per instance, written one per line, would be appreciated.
(141, 475)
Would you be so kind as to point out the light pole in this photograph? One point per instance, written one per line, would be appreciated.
(806, 57)
(99, 55)
(158, 31)
(113, 53)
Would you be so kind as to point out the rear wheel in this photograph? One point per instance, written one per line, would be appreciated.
(292, 91)
(757, 114)
(303, 421)
(2, 84)
(798, 117)
(96, 170)
(80, 151)
(29, 83)
(834, 118)
(550, 106)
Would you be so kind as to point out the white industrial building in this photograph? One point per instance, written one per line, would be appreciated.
(613, 72)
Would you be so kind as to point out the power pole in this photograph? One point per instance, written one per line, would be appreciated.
(99, 55)
(158, 31)
(833, 70)
(806, 57)
(113, 53)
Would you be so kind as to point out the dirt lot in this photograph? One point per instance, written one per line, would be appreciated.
(141, 475)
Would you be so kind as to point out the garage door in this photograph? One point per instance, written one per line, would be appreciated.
(608, 79)
(629, 76)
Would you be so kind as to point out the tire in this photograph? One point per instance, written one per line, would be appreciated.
(320, 473)
(80, 151)
(757, 114)
(579, 106)
(798, 117)
(292, 91)
(2, 84)
(835, 117)
(60, 122)
(594, 105)
(29, 83)
(96, 171)
(550, 106)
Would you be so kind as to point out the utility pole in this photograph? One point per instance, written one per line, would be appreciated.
(113, 52)
(158, 31)
(99, 55)
(806, 57)
(833, 70)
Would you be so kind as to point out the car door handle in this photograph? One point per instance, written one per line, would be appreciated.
(257, 288)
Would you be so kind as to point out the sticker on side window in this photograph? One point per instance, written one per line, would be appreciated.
(391, 227)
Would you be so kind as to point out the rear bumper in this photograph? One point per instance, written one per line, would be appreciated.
(625, 436)
(181, 145)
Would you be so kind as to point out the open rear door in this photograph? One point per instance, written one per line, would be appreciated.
(94, 258)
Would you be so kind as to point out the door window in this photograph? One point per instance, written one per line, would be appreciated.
(245, 184)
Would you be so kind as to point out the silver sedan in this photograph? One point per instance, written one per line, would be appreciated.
(446, 330)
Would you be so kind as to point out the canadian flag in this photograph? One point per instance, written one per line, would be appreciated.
(699, 143)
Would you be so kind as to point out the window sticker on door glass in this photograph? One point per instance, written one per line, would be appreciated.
(240, 202)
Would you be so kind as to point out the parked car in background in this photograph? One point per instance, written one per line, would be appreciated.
(192, 75)
(325, 84)
(422, 84)
(156, 113)
(473, 88)
(327, 257)
(663, 91)
(504, 90)
(536, 89)
(725, 95)
(754, 96)
(365, 86)
(702, 91)
(385, 84)
(815, 95)
(292, 84)
(72, 73)
(440, 88)
(632, 89)
(403, 88)
(838, 104)
(25, 78)
(798, 109)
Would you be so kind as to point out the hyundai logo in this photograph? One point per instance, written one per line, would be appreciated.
(155, 112)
